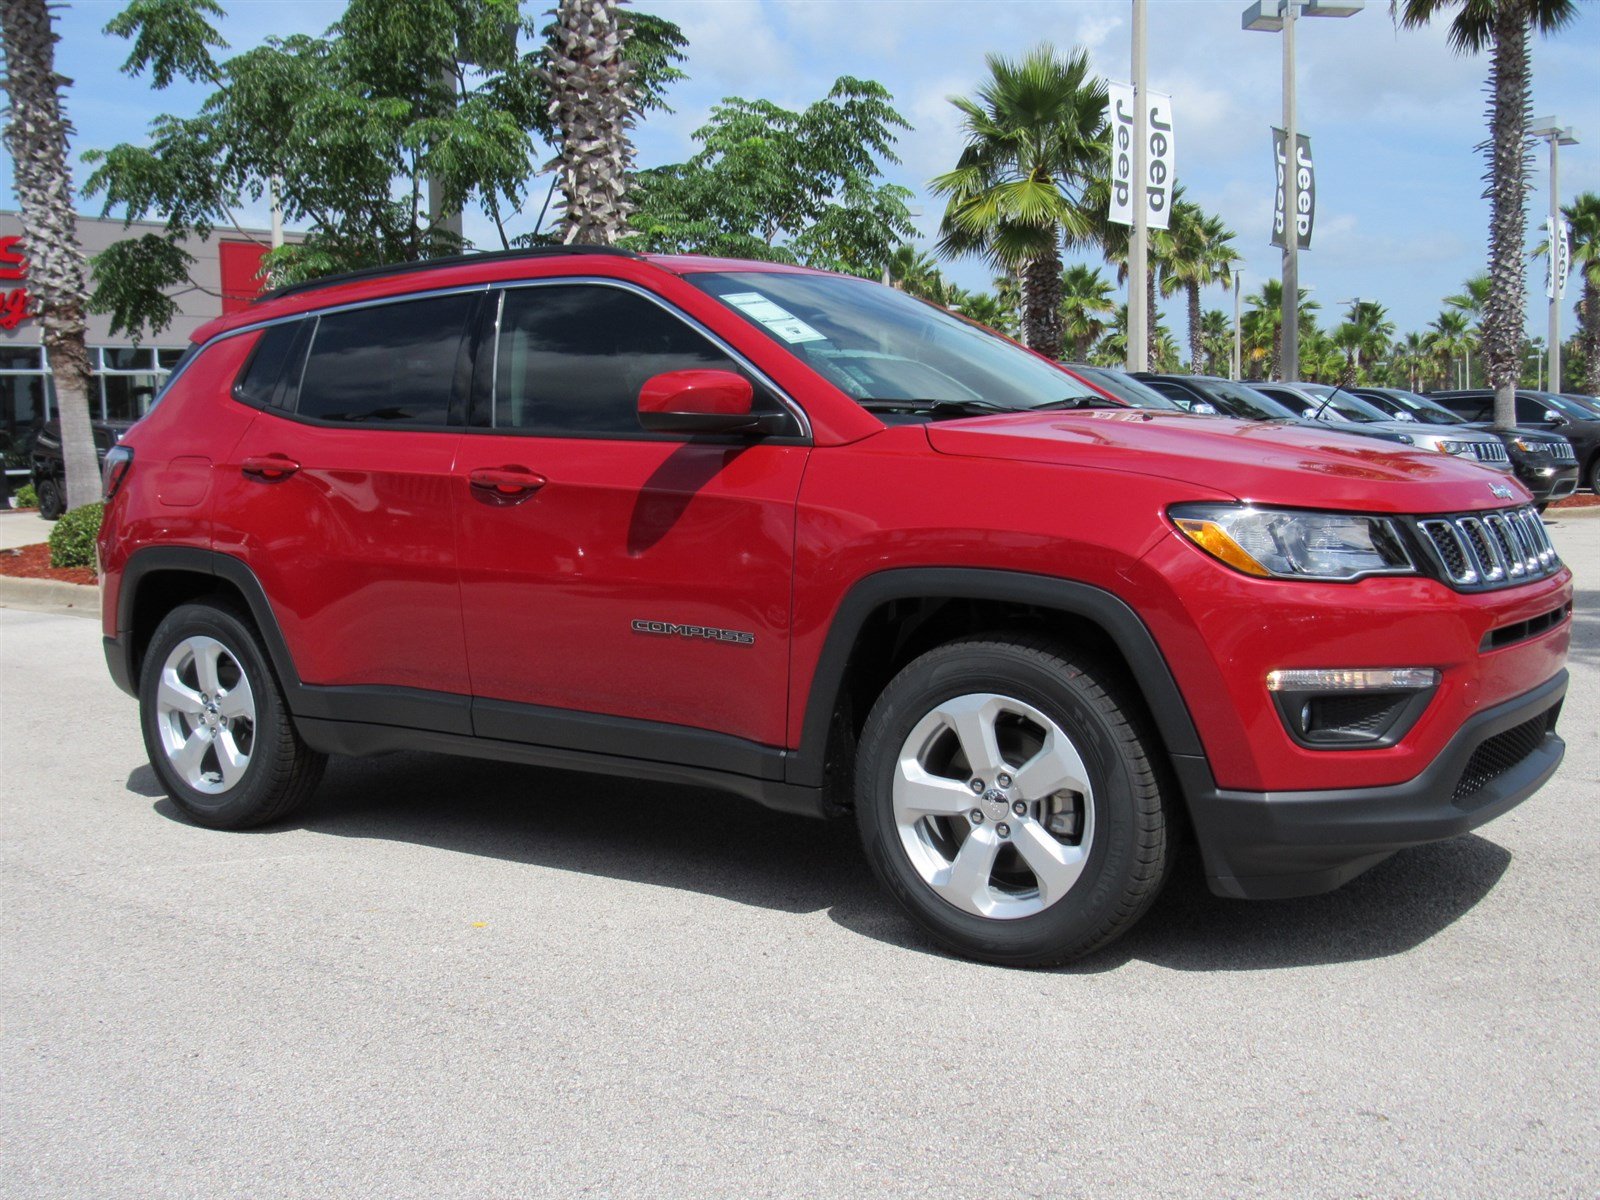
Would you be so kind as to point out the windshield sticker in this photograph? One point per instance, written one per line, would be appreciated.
(775, 317)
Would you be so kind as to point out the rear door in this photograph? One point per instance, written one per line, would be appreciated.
(633, 575)
(339, 495)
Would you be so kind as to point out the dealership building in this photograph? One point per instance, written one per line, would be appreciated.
(224, 277)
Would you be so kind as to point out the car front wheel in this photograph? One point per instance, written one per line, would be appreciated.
(215, 724)
(51, 503)
(1008, 796)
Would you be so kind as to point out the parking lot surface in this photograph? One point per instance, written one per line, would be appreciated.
(454, 978)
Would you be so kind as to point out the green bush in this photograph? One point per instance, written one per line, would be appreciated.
(27, 497)
(72, 540)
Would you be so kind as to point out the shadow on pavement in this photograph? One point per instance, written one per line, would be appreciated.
(1585, 628)
(726, 847)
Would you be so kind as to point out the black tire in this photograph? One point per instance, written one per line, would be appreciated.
(281, 771)
(1126, 860)
(51, 502)
(1591, 477)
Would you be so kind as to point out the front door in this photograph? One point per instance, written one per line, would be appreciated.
(607, 570)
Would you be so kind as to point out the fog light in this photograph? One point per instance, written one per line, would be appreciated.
(1345, 679)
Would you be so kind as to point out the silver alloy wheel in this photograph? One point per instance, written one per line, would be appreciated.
(994, 806)
(206, 714)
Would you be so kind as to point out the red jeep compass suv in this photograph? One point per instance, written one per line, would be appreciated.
(801, 537)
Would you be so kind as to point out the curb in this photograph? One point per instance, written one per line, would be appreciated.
(51, 593)
(1586, 513)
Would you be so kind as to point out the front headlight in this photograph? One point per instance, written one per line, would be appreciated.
(1529, 446)
(1448, 446)
(1288, 544)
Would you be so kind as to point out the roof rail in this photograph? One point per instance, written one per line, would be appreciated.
(426, 264)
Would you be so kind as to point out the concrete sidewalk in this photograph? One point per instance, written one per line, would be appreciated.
(22, 528)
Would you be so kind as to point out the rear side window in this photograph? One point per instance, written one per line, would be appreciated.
(571, 360)
(260, 383)
(391, 364)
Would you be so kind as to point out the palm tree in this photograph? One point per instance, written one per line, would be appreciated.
(916, 273)
(591, 105)
(1449, 336)
(988, 309)
(1583, 214)
(1266, 313)
(1410, 356)
(1502, 27)
(1216, 340)
(1086, 302)
(1473, 303)
(36, 135)
(1371, 321)
(1198, 253)
(1035, 136)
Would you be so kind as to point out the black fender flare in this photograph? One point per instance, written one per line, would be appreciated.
(1122, 625)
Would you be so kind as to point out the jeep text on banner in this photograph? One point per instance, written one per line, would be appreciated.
(1159, 161)
(1305, 182)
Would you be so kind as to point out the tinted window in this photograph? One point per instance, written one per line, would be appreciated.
(572, 359)
(391, 364)
(262, 373)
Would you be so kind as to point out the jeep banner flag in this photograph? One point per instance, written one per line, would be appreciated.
(1305, 181)
(1159, 168)
(1558, 262)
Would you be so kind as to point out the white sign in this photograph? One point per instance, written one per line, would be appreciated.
(775, 317)
(1559, 238)
(1159, 169)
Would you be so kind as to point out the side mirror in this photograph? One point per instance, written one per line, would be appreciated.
(1205, 409)
(699, 401)
(1553, 417)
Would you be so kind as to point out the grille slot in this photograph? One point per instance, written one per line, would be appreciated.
(1499, 754)
(1480, 551)
(1521, 631)
(1563, 452)
(1490, 452)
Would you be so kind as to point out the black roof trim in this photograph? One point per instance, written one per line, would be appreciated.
(428, 264)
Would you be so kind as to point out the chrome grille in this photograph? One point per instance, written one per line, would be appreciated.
(1563, 452)
(1490, 452)
(1491, 550)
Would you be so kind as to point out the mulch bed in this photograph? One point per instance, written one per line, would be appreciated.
(1577, 500)
(33, 562)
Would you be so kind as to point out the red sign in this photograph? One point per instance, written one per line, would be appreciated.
(240, 263)
(13, 268)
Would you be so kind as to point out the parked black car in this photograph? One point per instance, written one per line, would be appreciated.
(1544, 462)
(1540, 410)
(1123, 386)
(1241, 400)
(50, 468)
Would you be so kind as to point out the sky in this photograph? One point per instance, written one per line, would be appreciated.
(1394, 116)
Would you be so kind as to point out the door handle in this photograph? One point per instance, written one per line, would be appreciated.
(269, 468)
(510, 484)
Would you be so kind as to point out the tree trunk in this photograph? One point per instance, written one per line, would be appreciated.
(591, 108)
(1589, 321)
(37, 139)
(1509, 74)
(1277, 353)
(1041, 303)
(1150, 319)
(1196, 350)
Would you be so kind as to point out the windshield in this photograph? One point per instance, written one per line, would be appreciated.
(1344, 403)
(1236, 400)
(876, 344)
(1570, 409)
(1127, 389)
(1398, 400)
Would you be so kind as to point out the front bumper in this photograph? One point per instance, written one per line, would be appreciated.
(1546, 480)
(1269, 845)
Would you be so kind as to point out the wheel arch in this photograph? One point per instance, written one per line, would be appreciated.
(158, 579)
(890, 617)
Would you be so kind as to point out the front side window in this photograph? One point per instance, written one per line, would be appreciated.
(878, 345)
(389, 364)
(572, 358)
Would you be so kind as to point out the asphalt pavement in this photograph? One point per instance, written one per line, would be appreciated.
(453, 978)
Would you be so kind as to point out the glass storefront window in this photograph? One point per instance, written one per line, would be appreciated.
(127, 397)
(22, 412)
(19, 358)
(125, 381)
(126, 358)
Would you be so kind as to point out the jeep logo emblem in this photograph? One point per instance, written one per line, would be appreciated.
(1500, 490)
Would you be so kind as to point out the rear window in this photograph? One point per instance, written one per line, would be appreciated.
(260, 382)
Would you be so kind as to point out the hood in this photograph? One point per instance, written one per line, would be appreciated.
(1459, 433)
(1261, 462)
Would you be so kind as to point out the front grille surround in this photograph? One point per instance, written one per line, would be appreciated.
(1492, 452)
(1483, 551)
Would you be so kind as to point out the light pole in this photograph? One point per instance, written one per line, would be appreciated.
(1279, 16)
(1238, 344)
(1552, 132)
(1139, 234)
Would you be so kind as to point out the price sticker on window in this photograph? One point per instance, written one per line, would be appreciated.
(775, 317)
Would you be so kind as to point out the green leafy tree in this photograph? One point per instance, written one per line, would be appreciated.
(1449, 337)
(1583, 214)
(1265, 322)
(772, 183)
(1034, 138)
(1373, 329)
(1086, 303)
(916, 273)
(1216, 341)
(1501, 27)
(36, 135)
(348, 129)
(988, 309)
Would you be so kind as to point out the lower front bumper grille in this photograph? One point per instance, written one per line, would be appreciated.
(1501, 753)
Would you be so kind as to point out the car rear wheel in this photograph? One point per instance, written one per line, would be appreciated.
(1008, 797)
(51, 503)
(215, 725)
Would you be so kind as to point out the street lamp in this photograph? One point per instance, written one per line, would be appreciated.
(1279, 16)
(1557, 136)
(1238, 343)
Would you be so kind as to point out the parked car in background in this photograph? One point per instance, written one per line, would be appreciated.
(1544, 462)
(1540, 410)
(1119, 385)
(1231, 399)
(1328, 403)
(1592, 403)
(49, 467)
